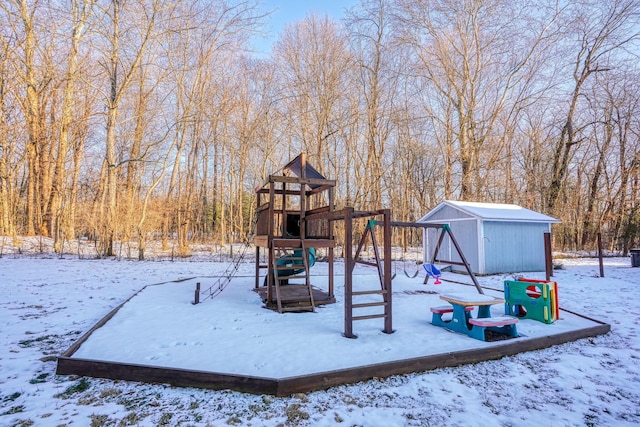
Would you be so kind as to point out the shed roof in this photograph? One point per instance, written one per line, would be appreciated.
(494, 212)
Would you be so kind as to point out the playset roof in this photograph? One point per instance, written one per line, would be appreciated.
(295, 166)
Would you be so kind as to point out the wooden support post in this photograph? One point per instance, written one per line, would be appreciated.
(548, 261)
(330, 225)
(270, 233)
(283, 211)
(388, 323)
(257, 227)
(303, 198)
(361, 244)
(436, 251)
(348, 276)
(196, 299)
(600, 255)
(257, 284)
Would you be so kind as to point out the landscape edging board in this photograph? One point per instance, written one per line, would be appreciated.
(68, 365)
(325, 380)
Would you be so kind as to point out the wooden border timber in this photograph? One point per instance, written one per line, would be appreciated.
(316, 381)
(325, 380)
(161, 375)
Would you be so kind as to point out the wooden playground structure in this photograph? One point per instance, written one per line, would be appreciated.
(296, 216)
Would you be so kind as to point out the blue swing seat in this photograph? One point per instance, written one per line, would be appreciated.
(432, 270)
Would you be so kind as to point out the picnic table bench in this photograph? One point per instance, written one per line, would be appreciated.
(461, 320)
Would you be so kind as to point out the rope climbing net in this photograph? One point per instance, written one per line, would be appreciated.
(229, 273)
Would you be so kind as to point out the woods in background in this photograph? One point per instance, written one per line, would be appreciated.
(138, 120)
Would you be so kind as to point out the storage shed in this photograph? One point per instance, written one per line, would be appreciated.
(494, 238)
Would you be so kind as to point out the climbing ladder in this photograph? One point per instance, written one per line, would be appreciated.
(383, 266)
(287, 266)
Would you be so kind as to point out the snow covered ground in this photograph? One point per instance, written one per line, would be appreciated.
(234, 334)
(48, 302)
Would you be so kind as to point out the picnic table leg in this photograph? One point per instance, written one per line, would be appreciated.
(436, 319)
(460, 319)
(477, 332)
(484, 311)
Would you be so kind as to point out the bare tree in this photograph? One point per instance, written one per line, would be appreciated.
(475, 57)
(81, 11)
(604, 30)
(313, 64)
(125, 119)
(377, 80)
(611, 203)
(122, 63)
(202, 69)
(8, 178)
(22, 21)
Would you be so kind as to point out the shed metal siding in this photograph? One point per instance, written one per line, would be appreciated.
(466, 234)
(431, 237)
(513, 247)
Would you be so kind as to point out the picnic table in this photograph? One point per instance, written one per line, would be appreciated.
(461, 306)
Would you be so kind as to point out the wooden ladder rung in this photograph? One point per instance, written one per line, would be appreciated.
(293, 300)
(295, 286)
(296, 276)
(298, 308)
(292, 258)
(369, 304)
(370, 316)
(296, 260)
(375, 292)
(290, 267)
